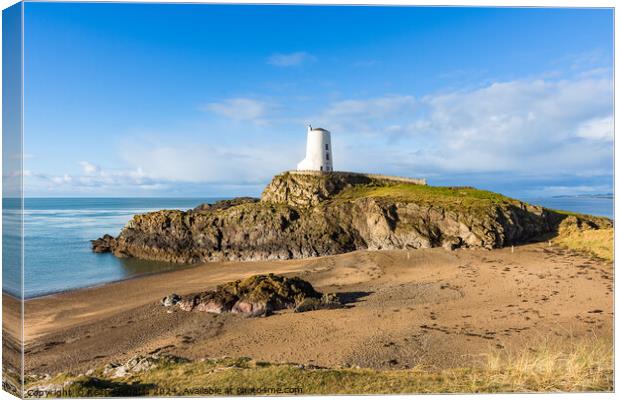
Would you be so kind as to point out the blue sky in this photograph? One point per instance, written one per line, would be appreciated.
(210, 100)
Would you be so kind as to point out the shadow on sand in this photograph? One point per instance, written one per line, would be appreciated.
(349, 298)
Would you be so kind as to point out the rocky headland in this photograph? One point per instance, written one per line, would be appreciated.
(303, 215)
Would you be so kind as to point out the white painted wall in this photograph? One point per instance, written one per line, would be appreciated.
(319, 155)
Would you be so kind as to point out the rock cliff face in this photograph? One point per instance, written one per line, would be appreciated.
(308, 215)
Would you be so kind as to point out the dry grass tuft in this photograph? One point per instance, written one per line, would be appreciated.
(586, 238)
(585, 366)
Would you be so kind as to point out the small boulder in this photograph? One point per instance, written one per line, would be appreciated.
(327, 301)
(170, 300)
(187, 303)
(140, 363)
(258, 295)
(252, 309)
(104, 244)
(203, 207)
(215, 302)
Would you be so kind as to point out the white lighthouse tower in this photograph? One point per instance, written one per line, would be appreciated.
(318, 151)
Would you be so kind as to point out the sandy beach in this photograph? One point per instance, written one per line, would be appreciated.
(428, 307)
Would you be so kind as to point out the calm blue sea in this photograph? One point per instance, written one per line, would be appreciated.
(600, 206)
(58, 231)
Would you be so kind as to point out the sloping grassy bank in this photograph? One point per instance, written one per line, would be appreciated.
(580, 236)
(585, 366)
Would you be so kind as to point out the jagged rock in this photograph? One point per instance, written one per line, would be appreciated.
(573, 223)
(104, 244)
(259, 295)
(252, 309)
(140, 363)
(187, 303)
(38, 377)
(306, 189)
(170, 300)
(313, 215)
(327, 301)
(49, 390)
(203, 207)
(225, 204)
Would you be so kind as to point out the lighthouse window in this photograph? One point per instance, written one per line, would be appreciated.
(327, 156)
(326, 146)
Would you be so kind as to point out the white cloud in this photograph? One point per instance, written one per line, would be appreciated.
(290, 59)
(520, 128)
(597, 128)
(89, 168)
(205, 163)
(555, 132)
(62, 179)
(240, 109)
(165, 166)
(371, 108)
(365, 116)
(92, 180)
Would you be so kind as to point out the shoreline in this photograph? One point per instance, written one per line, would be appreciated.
(82, 271)
(182, 267)
(194, 279)
(98, 285)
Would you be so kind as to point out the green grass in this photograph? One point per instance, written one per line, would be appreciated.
(441, 195)
(582, 366)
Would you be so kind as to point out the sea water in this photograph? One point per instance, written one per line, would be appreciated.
(58, 256)
(57, 235)
(602, 206)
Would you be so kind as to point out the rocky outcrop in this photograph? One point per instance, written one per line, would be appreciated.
(258, 295)
(104, 244)
(309, 189)
(224, 204)
(573, 223)
(342, 213)
(139, 364)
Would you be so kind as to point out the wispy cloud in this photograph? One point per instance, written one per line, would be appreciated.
(240, 109)
(91, 180)
(533, 128)
(365, 116)
(89, 168)
(546, 134)
(597, 129)
(290, 59)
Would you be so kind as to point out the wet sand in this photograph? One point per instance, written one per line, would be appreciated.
(433, 307)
